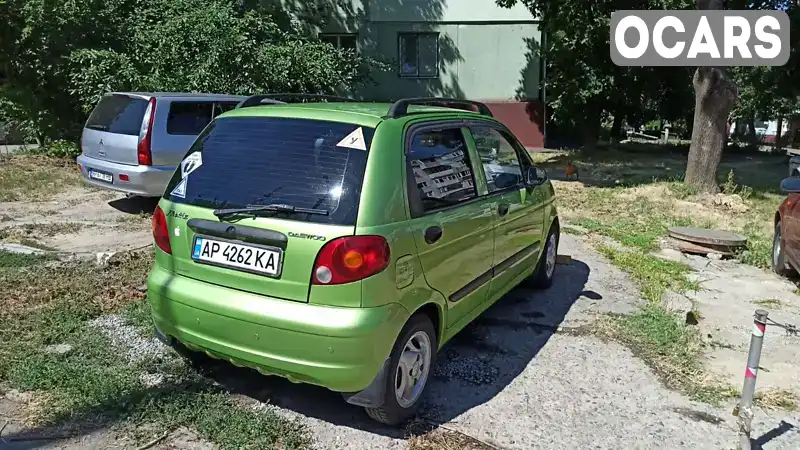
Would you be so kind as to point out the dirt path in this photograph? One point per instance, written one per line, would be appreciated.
(80, 220)
(526, 375)
(510, 380)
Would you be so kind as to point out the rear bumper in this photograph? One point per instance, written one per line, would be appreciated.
(147, 181)
(339, 348)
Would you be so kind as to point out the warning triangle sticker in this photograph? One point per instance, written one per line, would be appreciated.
(180, 189)
(191, 163)
(354, 140)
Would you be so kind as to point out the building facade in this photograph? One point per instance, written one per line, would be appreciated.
(469, 49)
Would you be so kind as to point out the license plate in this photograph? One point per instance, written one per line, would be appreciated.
(102, 176)
(249, 258)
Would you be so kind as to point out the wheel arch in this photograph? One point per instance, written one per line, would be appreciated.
(435, 312)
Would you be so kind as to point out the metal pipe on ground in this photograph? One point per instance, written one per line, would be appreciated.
(744, 410)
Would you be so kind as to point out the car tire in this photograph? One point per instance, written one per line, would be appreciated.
(398, 407)
(542, 277)
(779, 263)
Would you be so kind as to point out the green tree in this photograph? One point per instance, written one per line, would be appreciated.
(583, 84)
(771, 92)
(60, 57)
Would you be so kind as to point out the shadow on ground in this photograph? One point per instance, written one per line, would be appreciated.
(135, 205)
(782, 428)
(638, 164)
(472, 368)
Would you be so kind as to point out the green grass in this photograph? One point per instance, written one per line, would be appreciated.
(660, 338)
(94, 384)
(670, 348)
(13, 259)
(654, 275)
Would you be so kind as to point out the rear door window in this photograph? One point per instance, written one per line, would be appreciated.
(263, 160)
(189, 118)
(118, 114)
(442, 174)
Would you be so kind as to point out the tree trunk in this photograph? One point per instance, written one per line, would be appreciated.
(715, 94)
(778, 143)
(591, 128)
(751, 131)
(616, 127)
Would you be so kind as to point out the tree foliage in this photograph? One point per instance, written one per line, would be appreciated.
(58, 57)
(584, 85)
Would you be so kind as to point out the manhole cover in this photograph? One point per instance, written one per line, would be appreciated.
(708, 237)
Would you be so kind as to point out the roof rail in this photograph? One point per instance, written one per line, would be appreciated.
(272, 99)
(400, 107)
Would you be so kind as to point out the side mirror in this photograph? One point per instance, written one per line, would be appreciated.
(791, 185)
(535, 176)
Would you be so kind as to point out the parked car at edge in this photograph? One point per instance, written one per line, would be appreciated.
(786, 241)
(342, 243)
(133, 141)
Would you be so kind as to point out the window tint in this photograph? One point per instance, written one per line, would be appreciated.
(188, 118)
(440, 165)
(499, 158)
(263, 160)
(419, 54)
(118, 114)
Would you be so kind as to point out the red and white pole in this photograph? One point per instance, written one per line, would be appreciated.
(745, 410)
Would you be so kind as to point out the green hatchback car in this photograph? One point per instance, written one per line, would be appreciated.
(343, 243)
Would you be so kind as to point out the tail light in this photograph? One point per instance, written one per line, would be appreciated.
(143, 151)
(161, 231)
(349, 259)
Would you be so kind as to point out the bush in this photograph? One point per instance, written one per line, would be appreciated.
(59, 149)
(59, 57)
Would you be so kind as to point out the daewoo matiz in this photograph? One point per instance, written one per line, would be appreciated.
(343, 243)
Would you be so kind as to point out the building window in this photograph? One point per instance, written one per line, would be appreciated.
(344, 41)
(419, 54)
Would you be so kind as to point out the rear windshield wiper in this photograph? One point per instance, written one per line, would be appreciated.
(272, 208)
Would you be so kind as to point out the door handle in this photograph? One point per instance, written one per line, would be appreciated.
(433, 234)
(502, 209)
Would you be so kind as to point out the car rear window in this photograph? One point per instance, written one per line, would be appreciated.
(189, 118)
(118, 114)
(264, 160)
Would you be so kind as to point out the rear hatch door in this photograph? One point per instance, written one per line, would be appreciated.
(250, 161)
(112, 131)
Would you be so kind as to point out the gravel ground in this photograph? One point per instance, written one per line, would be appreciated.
(524, 376)
(127, 337)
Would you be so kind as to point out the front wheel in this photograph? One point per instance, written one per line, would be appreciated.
(779, 263)
(546, 267)
(411, 364)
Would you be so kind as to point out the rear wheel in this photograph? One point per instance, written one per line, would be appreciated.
(411, 364)
(546, 267)
(779, 263)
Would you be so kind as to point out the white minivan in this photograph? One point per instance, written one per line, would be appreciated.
(133, 141)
